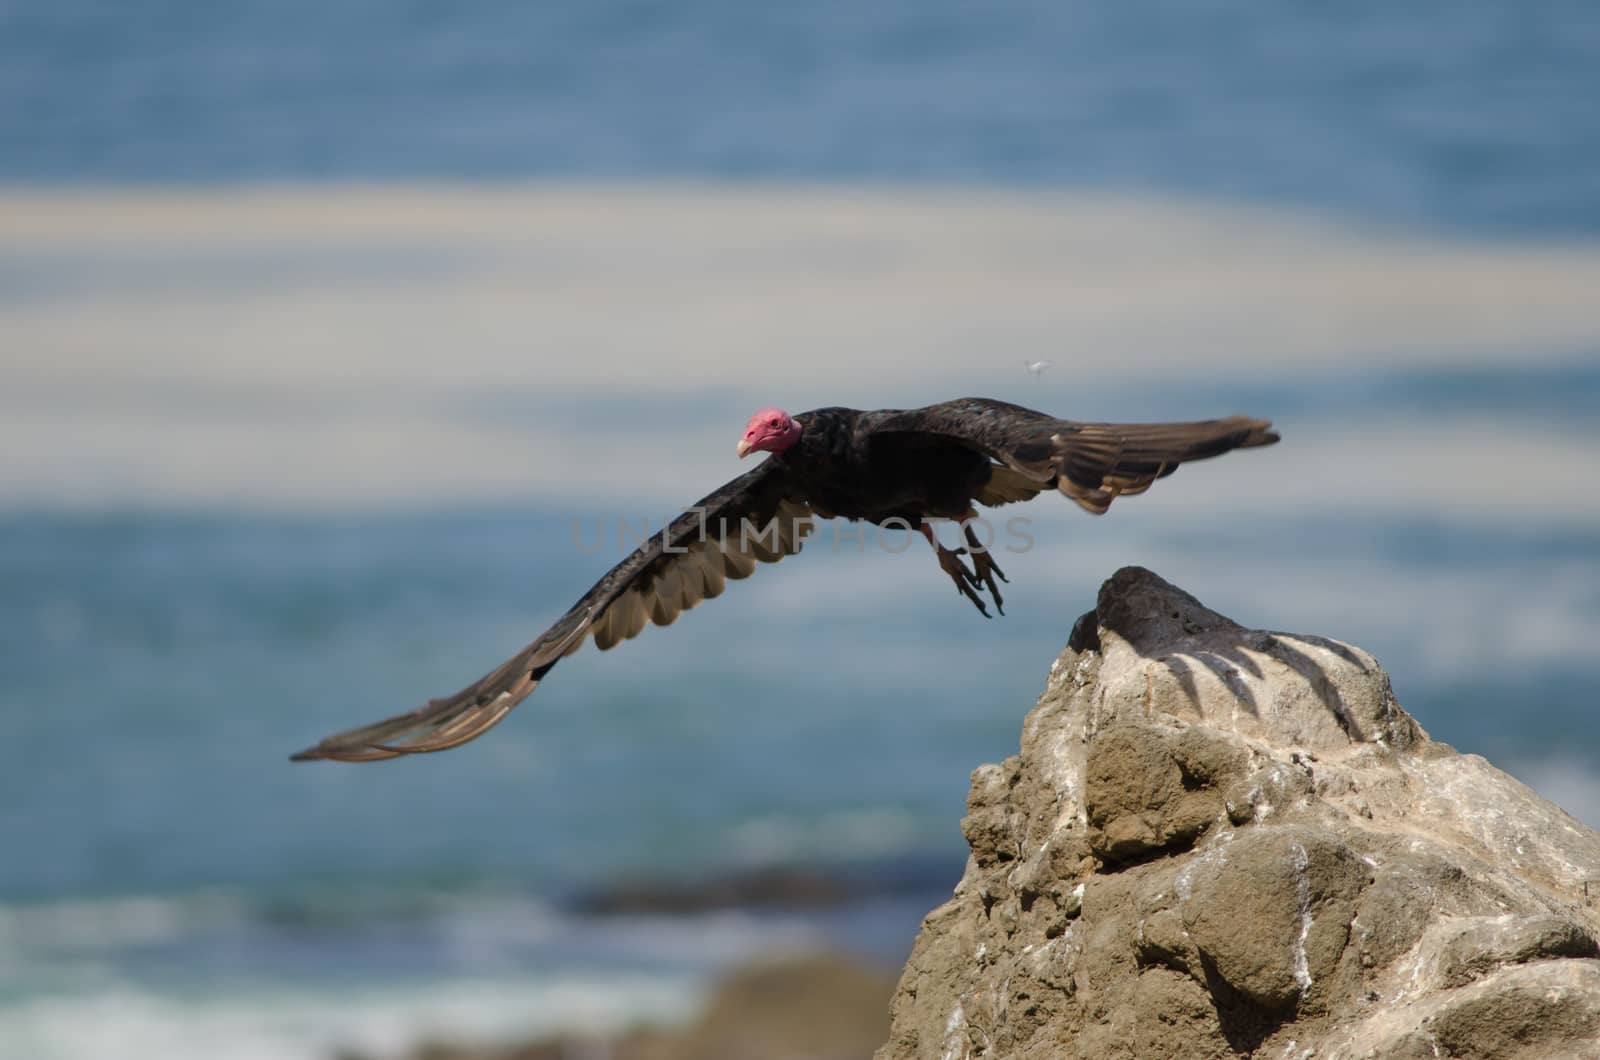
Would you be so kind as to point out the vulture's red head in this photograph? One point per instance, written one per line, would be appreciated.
(771, 431)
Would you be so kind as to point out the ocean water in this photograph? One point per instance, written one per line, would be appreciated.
(278, 464)
(1466, 114)
(176, 883)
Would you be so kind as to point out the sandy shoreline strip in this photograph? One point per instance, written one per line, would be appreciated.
(284, 346)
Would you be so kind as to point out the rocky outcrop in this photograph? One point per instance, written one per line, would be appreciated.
(1223, 842)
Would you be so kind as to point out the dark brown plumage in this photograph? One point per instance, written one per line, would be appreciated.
(913, 464)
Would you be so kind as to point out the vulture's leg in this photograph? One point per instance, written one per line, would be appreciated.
(950, 563)
(985, 568)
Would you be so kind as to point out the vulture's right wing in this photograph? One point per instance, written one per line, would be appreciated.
(752, 518)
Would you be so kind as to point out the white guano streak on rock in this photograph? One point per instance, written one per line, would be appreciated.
(1302, 966)
(954, 1045)
(1413, 983)
(1215, 852)
(1263, 807)
(1059, 770)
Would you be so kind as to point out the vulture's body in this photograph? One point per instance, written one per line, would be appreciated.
(900, 467)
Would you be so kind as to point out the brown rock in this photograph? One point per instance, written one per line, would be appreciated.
(1270, 913)
(1222, 842)
(1147, 788)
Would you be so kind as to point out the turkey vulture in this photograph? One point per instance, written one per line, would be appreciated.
(911, 465)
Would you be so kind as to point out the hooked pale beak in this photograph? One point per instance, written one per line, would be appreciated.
(743, 448)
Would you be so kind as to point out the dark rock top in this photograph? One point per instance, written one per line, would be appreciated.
(1223, 842)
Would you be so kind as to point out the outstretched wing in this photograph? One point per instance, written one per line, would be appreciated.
(1092, 463)
(753, 518)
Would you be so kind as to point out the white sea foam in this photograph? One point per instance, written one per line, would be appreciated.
(286, 1024)
(77, 981)
(469, 929)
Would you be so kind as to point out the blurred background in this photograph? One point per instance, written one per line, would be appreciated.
(328, 330)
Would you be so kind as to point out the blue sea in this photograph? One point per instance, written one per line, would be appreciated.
(172, 886)
(1469, 114)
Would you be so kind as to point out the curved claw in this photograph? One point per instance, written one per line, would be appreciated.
(985, 570)
(966, 580)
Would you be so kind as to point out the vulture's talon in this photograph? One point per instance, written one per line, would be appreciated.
(986, 569)
(977, 601)
(966, 581)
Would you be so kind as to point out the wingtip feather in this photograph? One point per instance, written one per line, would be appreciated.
(1261, 433)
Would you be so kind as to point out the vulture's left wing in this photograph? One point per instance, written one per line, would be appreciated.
(1091, 463)
(753, 518)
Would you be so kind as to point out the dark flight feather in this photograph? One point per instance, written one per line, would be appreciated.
(657, 582)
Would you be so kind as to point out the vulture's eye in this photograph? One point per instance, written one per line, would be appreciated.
(775, 422)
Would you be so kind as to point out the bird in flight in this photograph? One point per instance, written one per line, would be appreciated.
(904, 467)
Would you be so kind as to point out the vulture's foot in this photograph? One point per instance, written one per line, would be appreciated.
(985, 569)
(950, 562)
